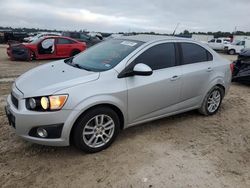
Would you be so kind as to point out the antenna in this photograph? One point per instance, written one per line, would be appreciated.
(176, 28)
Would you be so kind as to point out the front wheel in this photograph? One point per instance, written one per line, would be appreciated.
(212, 101)
(96, 129)
(32, 56)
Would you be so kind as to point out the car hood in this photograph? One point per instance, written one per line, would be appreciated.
(52, 77)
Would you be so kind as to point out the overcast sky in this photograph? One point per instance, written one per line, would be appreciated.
(128, 15)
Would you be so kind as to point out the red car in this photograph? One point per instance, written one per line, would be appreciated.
(52, 47)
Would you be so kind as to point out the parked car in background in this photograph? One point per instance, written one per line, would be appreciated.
(30, 35)
(7, 36)
(237, 47)
(83, 37)
(202, 38)
(114, 36)
(45, 48)
(40, 35)
(2, 37)
(241, 71)
(88, 99)
(219, 43)
(94, 34)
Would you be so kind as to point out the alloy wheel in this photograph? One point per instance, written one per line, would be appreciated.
(98, 131)
(214, 101)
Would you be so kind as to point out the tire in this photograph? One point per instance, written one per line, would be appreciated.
(206, 107)
(32, 56)
(74, 52)
(89, 132)
(231, 52)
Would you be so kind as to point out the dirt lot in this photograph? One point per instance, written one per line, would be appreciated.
(187, 150)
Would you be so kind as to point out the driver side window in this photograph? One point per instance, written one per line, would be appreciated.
(158, 57)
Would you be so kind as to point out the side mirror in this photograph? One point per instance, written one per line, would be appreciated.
(142, 70)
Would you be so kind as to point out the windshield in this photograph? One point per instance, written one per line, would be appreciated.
(105, 55)
(36, 40)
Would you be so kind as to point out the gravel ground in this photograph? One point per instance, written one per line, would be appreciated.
(187, 150)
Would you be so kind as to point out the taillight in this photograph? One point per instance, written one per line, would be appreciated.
(232, 67)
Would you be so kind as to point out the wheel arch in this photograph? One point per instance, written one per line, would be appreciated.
(218, 81)
(222, 87)
(104, 104)
(231, 49)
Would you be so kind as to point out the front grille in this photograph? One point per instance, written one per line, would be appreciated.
(14, 100)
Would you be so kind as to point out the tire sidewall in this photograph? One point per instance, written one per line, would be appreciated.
(82, 121)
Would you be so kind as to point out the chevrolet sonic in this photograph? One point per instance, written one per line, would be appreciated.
(89, 98)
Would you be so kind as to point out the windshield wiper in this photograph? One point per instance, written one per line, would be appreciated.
(80, 67)
(70, 62)
(76, 65)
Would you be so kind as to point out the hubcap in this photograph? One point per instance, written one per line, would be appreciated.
(98, 131)
(214, 100)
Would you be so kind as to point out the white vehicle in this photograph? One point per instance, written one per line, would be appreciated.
(219, 43)
(93, 34)
(114, 36)
(237, 38)
(31, 35)
(40, 35)
(202, 38)
(235, 48)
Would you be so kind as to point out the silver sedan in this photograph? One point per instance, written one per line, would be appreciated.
(88, 99)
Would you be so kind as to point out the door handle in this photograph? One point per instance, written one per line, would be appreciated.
(174, 78)
(209, 69)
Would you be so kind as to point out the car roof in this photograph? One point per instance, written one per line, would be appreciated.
(151, 38)
(45, 37)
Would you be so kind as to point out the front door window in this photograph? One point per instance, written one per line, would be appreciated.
(47, 46)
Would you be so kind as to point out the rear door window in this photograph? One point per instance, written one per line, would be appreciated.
(193, 53)
(64, 41)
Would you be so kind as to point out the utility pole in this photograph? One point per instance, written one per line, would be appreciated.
(235, 29)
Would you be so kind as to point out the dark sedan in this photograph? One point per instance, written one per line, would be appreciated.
(242, 68)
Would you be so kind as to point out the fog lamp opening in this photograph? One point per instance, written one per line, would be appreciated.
(42, 132)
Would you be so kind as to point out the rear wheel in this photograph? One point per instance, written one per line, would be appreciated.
(96, 129)
(212, 101)
(231, 52)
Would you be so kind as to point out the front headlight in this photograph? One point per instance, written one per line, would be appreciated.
(32, 103)
(46, 103)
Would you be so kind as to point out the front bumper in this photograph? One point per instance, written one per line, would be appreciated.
(18, 54)
(23, 121)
